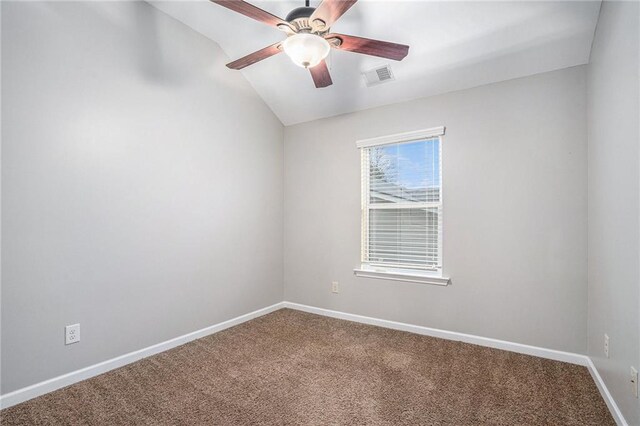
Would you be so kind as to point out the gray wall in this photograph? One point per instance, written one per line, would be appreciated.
(137, 200)
(614, 191)
(515, 229)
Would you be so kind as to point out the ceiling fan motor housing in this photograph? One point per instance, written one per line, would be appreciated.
(300, 12)
(299, 19)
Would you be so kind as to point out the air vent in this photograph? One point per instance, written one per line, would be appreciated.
(378, 75)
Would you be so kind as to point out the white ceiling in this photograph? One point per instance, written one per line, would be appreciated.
(454, 45)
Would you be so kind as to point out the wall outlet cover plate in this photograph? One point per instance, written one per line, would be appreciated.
(72, 334)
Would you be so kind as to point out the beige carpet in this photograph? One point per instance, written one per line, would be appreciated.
(292, 368)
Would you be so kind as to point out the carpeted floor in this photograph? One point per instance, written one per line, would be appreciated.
(294, 368)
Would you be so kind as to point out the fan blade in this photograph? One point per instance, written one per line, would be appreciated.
(329, 11)
(254, 12)
(321, 76)
(256, 56)
(383, 49)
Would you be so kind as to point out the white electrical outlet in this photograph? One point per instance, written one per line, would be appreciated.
(634, 381)
(335, 287)
(606, 345)
(72, 334)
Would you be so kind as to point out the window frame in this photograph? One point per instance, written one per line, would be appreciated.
(391, 272)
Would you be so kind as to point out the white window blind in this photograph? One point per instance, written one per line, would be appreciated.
(402, 202)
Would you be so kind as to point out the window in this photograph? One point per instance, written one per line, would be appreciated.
(402, 206)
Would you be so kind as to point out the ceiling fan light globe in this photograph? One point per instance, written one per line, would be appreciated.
(306, 50)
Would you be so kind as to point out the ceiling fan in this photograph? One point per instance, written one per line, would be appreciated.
(309, 38)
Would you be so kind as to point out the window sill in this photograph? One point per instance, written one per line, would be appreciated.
(403, 276)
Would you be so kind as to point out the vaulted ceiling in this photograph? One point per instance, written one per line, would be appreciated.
(454, 45)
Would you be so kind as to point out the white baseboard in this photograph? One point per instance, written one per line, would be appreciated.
(569, 357)
(611, 403)
(449, 335)
(50, 385)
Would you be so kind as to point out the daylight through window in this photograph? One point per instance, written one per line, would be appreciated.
(402, 205)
